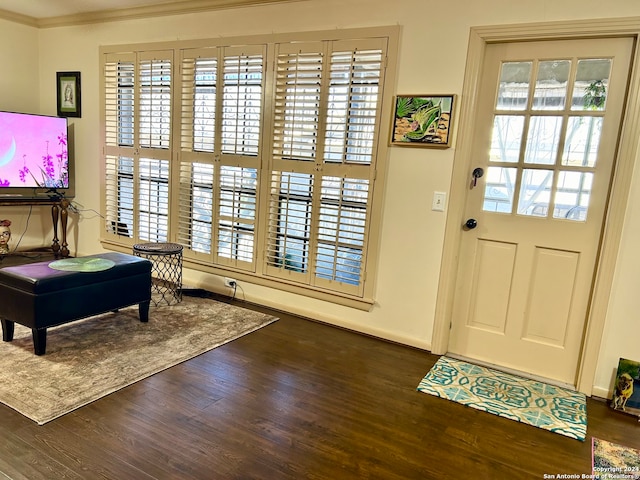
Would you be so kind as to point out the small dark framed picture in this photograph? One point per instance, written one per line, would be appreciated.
(69, 98)
(422, 121)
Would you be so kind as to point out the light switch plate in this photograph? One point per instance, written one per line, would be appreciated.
(439, 201)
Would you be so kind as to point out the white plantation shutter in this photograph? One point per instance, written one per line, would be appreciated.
(326, 119)
(154, 93)
(354, 96)
(289, 233)
(119, 195)
(297, 103)
(119, 78)
(198, 138)
(342, 229)
(242, 102)
(196, 207)
(259, 159)
(198, 100)
(221, 106)
(154, 127)
(137, 148)
(240, 159)
(119, 98)
(153, 200)
(236, 215)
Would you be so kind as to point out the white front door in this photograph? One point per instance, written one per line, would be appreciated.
(545, 136)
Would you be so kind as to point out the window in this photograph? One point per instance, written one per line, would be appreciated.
(548, 118)
(137, 132)
(221, 106)
(259, 159)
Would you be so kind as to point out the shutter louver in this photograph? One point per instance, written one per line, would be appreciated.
(198, 112)
(154, 117)
(353, 94)
(153, 200)
(119, 196)
(242, 104)
(290, 222)
(297, 105)
(237, 213)
(119, 103)
(196, 206)
(342, 229)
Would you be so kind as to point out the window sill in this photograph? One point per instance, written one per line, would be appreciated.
(358, 303)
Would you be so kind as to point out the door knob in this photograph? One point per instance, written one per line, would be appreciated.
(475, 175)
(471, 223)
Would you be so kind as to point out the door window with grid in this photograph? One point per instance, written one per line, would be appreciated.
(546, 133)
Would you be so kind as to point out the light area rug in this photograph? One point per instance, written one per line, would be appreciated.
(610, 460)
(545, 406)
(91, 358)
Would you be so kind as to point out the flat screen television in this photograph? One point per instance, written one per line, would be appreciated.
(34, 156)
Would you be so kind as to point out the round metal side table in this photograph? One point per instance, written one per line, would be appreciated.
(166, 270)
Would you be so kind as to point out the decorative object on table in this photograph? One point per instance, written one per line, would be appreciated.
(69, 95)
(541, 405)
(422, 120)
(101, 355)
(626, 388)
(610, 460)
(82, 264)
(5, 236)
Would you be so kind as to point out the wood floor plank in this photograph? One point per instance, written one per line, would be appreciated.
(296, 399)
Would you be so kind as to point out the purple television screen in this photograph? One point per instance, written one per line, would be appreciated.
(33, 151)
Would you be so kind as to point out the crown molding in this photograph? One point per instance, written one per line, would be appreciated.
(166, 9)
(17, 18)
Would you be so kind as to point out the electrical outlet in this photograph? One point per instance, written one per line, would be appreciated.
(230, 282)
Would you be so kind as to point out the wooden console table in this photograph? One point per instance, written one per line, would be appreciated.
(59, 211)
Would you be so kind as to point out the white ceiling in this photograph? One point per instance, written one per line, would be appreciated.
(40, 9)
(55, 13)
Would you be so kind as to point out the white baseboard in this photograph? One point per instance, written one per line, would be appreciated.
(600, 392)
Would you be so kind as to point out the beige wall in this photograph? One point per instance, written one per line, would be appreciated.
(20, 91)
(432, 58)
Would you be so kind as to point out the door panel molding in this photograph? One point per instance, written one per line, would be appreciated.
(494, 265)
(549, 302)
(479, 38)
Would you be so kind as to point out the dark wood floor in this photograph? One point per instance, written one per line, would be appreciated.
(294, 400)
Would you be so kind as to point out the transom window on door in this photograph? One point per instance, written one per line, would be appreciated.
(259, 158)
(546, 131)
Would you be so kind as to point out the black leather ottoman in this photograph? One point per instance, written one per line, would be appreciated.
(39, 297)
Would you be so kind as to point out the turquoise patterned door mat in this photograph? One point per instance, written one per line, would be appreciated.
(552, 408)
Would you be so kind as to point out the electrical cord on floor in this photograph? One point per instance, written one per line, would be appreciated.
(234, 284)
(25, 229)
(14, 252)
(235, 288)
(75, 207)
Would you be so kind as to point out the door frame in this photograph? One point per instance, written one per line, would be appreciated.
(627, 151)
